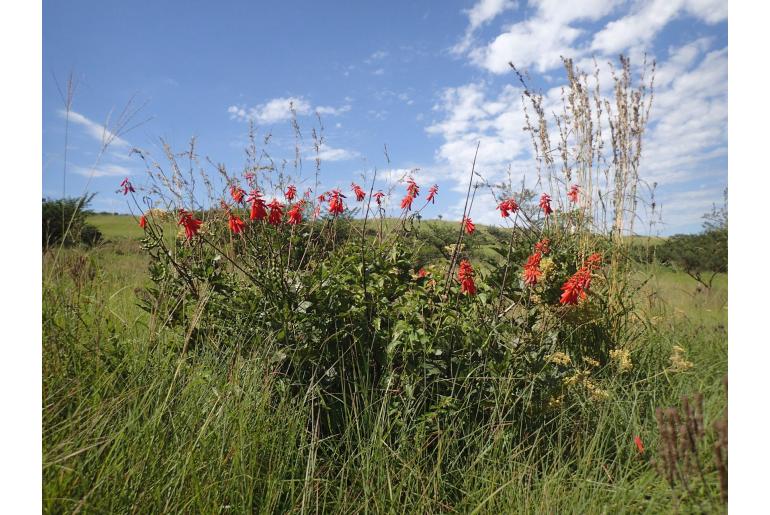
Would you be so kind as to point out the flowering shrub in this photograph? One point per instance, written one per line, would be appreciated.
(350, 313)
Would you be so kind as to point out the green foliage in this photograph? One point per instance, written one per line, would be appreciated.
(64, 221)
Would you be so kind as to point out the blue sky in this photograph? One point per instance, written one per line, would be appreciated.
(428, 79)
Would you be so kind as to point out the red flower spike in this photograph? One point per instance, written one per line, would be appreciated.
(291, 193)
(422, 273)
(469, 225)
(406, 202)
(336, 206)
(321, 197)
(295, 213)
(576, 287)
(543, 246)
(432, 194)
(465, 275)
(360, 194)
(411, 188)
(545, 204)
(378, 197)
(236, 224)
(507, 207)
(142, 222)
(532, 270)
(238, 194)
(639, 444)
(276, 212)
(127, 186)
(573, 193)
(191, 225)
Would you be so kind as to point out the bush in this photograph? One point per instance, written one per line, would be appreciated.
(64, 221)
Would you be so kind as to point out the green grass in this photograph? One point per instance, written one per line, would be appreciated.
(132, 425)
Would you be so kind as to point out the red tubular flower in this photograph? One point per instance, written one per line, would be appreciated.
(378, 197)
(573, 193)
(127, 186)
(336, 206)
(236, 224)
(576, 287)
(258, 206)
(322, 197)
(276, 212)
(360, 194)
(291, 192)
(469, 226)
(507, 207)
(432, 194)
(465, 275)
(532, 270)
(191, 225)
(295, 213)
(238, 194)
(545, 204)
(543, 246)
(142, 222)
(411, 188)
(406, 202)
(639, 444)
(422, 273)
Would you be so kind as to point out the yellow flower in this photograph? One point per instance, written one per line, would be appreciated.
(597, 393)
(591, 362)
(559, 358)
(622, 358)
(546, 267)
(678, 361)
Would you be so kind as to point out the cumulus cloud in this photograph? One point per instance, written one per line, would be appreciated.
(279, 109)
(327, 153)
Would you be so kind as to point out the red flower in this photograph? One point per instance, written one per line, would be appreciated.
(412, 189)
(142, 222)
(321, 197)
(191, 225)
(360, 194)
(295, 213)
(258, 206)
(236, 224)
(545, 204)
(469, 226)
(576, 287)
(465, 275)
(532, 270)
(639, 445)
(127, 186)
(238, 194)
(422, 273)
(276, 212)
(507, 207)
(406, 202)
(543, 246)
(573, 193)
(291, 192)
(336, 206)
(432, 194)
(378, 197)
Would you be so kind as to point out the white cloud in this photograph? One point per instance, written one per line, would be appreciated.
(97, 131)
(327, 153)
(643, 25)
(481, 13)
(279, 109)
(105, 170)
(332, 111)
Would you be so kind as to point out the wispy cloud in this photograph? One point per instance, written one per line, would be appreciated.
(104, 170)
(327, 153)
(96, 130)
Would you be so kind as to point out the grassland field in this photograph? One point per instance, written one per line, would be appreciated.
(129, 427)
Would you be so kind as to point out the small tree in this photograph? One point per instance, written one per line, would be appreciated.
(64, 221)
(701, 255)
